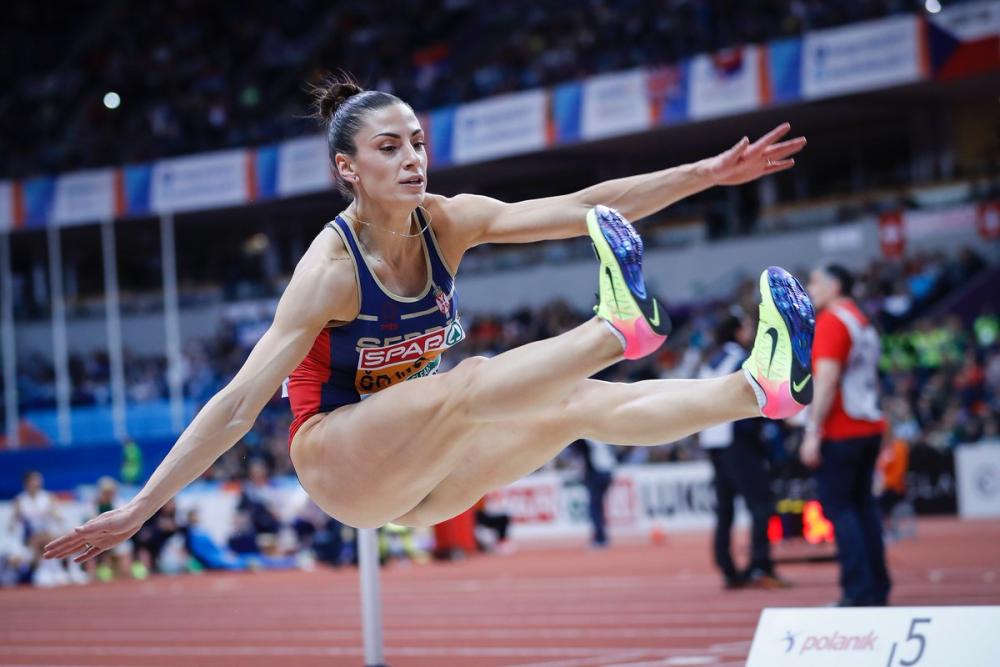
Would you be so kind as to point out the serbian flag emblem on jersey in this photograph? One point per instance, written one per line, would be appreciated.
(443, 302)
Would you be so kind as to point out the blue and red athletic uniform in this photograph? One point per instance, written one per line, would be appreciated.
(392, 339)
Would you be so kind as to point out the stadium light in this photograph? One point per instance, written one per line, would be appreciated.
(932, 6)
(112, 100)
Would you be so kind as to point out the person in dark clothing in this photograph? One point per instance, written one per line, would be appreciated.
(153, 535)
(739, 459)
(598, 466)
(498, 522)
(257, 501)
(843, 435)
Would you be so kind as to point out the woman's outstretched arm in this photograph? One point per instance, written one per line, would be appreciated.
(480, 219)
(230, 414)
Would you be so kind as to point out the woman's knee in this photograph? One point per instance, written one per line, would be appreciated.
(466, 370)
(461, 381)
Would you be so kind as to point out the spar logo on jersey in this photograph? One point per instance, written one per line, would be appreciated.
(412, 349)
(381, 367)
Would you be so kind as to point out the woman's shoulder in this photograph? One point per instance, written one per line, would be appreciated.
(326, 276)
(449, 220)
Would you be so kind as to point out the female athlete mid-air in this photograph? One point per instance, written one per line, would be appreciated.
(359, 332)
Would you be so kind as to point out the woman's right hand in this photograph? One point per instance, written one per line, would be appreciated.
(98, 535)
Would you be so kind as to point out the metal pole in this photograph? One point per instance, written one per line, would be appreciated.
(7, 341)
(371, 597)
(60, 354)
(113, 319)
(171, 321)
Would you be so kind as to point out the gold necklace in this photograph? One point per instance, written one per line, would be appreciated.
(384, 229)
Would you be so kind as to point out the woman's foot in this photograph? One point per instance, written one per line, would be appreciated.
(779, 368)
(634, 314)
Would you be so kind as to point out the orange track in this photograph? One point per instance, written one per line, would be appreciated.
(631, 605)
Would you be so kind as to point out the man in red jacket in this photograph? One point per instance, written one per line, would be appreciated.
(844, 434)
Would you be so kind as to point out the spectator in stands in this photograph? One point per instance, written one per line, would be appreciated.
(118, 560)
(257, 500)
(739, 459)
(893, 463)
(166, 60)
(15, 563)
(209, 555)
(320, 534)
(153, 535)
(844, 432)
(36, 512)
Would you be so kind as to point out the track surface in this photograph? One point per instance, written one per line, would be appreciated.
(631, 605)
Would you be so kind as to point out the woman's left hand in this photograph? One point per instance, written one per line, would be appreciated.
(747, 162)
(98, 535)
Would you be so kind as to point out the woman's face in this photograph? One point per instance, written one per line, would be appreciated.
(390, 165)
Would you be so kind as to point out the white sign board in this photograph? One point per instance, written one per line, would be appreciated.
(500, 126)
(672, 497)
(877, 637)
(977, 468)
(862, 56)
(615, 104)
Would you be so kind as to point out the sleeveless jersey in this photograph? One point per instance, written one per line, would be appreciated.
(859, 379)
(392, 339)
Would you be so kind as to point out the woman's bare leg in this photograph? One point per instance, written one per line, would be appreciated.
(654, 412)
(528, 378)
(372, 461)
(643, 413)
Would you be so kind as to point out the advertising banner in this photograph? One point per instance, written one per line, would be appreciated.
(500, 126)
(303, 166)
(863, 56)
(676, 496)
(725, 82)
(876, 637)
(204, 181)
(978, 469)
(615, 104)
(85, 197)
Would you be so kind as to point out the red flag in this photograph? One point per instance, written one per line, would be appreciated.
(988, 220)
(891, 234)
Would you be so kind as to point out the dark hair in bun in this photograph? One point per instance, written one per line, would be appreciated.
(340, 105)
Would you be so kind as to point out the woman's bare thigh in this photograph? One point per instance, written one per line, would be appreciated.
(366, 464)
(493, 455)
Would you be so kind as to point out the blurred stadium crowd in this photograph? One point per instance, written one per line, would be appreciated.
(208, 77)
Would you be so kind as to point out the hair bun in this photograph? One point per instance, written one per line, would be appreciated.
(331, 94)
